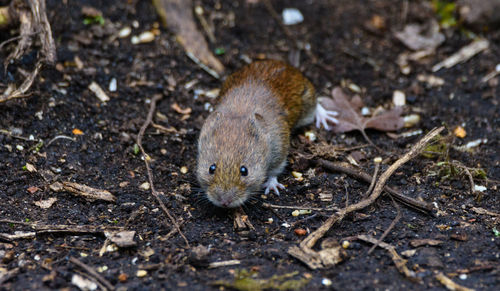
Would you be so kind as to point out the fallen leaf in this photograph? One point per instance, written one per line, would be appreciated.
(300, 231)
(421, 37)
(46, 203)
(350, 117)
(32, 189)
(122, 239)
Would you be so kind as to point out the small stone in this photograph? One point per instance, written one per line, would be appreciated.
(480, 188)
(346, 244)
(101, 269)
(112, 85)
(311, 136)
(292, 16)
(141, 273)
(144, 37)
(365, 111)
(326, 282)
(398, 98)
(459, 132)
(122, 278)
(411, 120)
(184, 169)
(124, 32)
(297, 176)
(145, 186)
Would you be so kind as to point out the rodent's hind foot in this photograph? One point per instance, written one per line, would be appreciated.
(324, 116)
(273, 184)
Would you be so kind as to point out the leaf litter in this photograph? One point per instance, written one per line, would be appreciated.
(350, 117)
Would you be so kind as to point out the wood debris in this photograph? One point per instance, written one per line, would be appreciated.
(463, 55)
(98, 91)
(178, 16)
(33, 23)
(449, 284)
(123, 239)
(85, 191)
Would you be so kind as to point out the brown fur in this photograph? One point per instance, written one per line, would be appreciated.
(258, 108)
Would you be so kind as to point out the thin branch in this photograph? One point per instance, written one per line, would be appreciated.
(92, 272)
(374, 178)
(391, 226)
(357, 173)
(146, 157)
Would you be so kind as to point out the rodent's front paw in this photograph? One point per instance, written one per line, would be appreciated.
(273, 184)
(324, 116)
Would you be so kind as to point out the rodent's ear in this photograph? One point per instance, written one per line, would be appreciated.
(259, 117)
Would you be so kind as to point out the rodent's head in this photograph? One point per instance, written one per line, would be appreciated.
(232, 158)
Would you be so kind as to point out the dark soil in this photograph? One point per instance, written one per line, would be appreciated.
(103, 157)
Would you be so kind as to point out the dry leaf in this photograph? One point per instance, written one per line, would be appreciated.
(421, 37)
(122, 239)
(350, 117)
(32, 189)
(46, 203)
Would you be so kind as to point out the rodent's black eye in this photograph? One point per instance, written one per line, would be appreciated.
(243, 171)
(212, 168)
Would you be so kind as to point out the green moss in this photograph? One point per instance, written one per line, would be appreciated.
(446, 11)
(245, 280)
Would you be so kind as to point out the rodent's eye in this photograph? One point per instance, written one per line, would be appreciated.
(212, 168)
(243, 171)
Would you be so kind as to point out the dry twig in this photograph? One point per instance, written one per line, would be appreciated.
(92, 273)
(391, 226)
(357, 173)
(314, 259)
(399, 262)
(146, 157)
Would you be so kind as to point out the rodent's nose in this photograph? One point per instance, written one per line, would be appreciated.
(225, 203)
(224, 197)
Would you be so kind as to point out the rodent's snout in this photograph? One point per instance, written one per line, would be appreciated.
(225, 198)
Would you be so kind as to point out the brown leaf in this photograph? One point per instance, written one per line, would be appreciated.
(350, 117)
(32, 189)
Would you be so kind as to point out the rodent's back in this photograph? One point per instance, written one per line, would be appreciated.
(294, 93)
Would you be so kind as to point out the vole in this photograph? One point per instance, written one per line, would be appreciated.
(244, 142)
